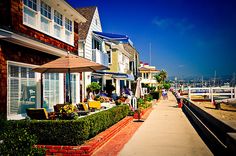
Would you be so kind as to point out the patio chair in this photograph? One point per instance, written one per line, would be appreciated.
(94, 104)
(39, 114)
(82, 109)
(58, 107)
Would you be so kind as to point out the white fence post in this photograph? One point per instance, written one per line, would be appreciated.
(189, 93)
(211, 93)
(234, 92)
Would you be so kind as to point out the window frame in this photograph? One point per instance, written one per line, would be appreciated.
(19, 64)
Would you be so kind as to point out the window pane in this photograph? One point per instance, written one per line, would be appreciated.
(14, 71)
(29, 16)
(57, 30)
(68, 24)
(51, 90)
(23, 72)
(58, 18)
(45, 10)
(68, 36)
(31, 4)
(45, 24)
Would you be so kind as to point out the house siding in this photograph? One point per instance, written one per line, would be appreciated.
(93, 27)
(13, 52)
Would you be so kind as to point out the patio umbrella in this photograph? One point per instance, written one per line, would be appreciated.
(138, 91)
(69, 64)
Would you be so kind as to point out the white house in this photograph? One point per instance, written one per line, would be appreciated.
(91, 46)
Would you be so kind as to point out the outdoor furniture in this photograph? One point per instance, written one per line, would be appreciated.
(58, 107)
(94, 104)
(39, 114)
(82, 109)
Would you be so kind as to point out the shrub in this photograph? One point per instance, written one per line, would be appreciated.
(18, 142)
(155, 95)
(148, 97)
(69, 132)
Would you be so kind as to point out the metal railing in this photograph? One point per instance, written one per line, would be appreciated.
(99, 57)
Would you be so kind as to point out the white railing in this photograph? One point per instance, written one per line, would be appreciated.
(212, 91)
(99, 57)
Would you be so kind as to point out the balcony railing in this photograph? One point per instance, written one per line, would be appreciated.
(99, 57)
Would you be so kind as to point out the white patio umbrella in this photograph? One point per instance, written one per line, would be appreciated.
(138, 91)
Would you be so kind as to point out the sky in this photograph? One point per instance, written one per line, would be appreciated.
(185, 37)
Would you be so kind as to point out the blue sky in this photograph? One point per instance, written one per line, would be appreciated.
(188, 37)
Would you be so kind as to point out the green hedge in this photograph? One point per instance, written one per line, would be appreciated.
(69, 132)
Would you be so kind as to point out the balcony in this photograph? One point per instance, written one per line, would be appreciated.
(99, 57)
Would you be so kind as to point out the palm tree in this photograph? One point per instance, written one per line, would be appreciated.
(163, 75)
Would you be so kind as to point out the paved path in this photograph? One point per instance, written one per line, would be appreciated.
(166, 131)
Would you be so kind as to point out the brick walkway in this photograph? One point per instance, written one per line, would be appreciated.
(115, 144)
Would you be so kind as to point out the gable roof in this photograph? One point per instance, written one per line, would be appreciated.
(88, 13)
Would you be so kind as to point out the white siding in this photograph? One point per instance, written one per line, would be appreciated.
(93, 27)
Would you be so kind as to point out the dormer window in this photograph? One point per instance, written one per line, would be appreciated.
(45, 17)
(57, 23)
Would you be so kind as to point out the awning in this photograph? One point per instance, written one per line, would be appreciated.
(113, 37)
(117, 75)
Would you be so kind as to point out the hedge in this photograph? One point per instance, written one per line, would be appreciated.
(69, 132)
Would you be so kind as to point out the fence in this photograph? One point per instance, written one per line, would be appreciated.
(212, 92)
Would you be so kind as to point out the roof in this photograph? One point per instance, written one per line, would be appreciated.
(88, 13)
(148, 69)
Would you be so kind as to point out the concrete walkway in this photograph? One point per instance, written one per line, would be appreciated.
(166, 131)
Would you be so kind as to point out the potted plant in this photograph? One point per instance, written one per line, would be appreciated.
(68, 112)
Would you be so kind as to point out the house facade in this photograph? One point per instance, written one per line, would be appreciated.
(34, 32)
(123, 69)
(147, 73)
(91, 46)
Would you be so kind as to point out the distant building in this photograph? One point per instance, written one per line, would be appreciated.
(147, 73)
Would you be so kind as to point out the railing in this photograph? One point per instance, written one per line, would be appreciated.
(99, 57)
(212, 91)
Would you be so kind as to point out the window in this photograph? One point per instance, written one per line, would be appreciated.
(22, 92)
(68, 31)
(45, 17)
(30, 8)
(31, 4)
(38, 15)
(109, 56)
(50, 90)
(57, 24)
(96, 44)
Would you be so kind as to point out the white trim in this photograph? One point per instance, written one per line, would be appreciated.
(22, 64)
(30, 43)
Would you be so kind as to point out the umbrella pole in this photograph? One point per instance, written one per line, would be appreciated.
(41, 90)
(70, 100)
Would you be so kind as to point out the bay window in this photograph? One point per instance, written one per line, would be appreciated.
(41, 16)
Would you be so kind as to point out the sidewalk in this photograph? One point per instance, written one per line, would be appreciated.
(166, 131)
